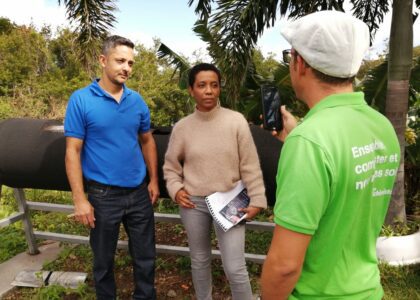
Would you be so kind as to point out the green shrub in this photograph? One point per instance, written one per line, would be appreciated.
(6, 110)
(12, 241)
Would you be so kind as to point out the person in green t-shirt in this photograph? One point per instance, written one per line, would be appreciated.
(336, 171)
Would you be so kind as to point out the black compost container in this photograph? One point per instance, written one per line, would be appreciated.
(32, 155)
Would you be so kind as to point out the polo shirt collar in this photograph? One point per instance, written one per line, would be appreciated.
(100, 92)
(344, 99)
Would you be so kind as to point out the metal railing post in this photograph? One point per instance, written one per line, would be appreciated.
(27, 224)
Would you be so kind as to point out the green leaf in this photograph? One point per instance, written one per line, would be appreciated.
(176, 60)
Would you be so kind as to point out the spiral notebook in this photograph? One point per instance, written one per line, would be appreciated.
(224, 206)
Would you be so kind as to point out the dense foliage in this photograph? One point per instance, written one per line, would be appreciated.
(39, 69)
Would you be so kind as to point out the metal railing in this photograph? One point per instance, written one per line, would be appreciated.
(30, 234)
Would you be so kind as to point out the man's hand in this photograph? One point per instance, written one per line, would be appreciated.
(289, 123)
(148, 147)
(183, 199)
(251, 212)
(154, 193)
(83, 212)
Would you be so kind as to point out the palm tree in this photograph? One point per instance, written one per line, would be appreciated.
(399, 67)
(236, 26)
(375, 87)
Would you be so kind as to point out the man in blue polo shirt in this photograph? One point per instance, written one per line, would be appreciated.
(103, 126)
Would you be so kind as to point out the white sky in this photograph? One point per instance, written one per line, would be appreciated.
(170, 21)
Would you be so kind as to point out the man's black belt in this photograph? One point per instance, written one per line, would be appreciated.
(94, 183)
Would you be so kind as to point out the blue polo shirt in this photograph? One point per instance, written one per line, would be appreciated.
(111, 153)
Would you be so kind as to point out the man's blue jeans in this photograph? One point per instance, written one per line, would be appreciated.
(134, 209)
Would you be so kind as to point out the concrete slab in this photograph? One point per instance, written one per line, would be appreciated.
(23, 261)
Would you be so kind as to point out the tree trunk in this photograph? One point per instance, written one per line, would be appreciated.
(399, 66)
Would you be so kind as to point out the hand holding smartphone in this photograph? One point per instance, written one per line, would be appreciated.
(270, 99)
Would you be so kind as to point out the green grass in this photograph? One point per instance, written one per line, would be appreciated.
(54, 292)
(12, 241)
(8, 203)
(74, 256)
(12, 237)
(399, 228)
(167, 206)
(400, 283)
(48, 196)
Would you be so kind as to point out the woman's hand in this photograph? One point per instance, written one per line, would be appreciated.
(251, 212)
(183, 199)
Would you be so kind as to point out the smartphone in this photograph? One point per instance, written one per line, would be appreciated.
(270, 99)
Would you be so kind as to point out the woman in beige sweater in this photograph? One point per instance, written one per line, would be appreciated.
(210, 151)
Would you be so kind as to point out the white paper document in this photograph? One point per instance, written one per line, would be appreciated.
(224, 206)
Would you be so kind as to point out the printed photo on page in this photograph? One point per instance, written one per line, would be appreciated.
(231, 211)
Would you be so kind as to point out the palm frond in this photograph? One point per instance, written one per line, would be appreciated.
(203, 8)
(250, 100)
(241, 22)
(415, 74)
(202, 30)
(234, 27)
(285, 5)
(370, 12)
(250, 103)
(301, 8)
(375, 85)
(232, 32)
(415, 80)
(284, 84)
(231, 64)
(93, 18)
(178, 62)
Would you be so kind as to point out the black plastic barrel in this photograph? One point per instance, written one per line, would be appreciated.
(268, 148)
(32, 155)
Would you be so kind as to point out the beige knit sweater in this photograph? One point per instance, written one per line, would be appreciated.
(209, 152)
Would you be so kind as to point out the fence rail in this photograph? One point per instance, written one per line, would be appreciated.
(24, 216)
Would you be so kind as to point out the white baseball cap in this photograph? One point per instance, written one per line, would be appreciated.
(331, 42)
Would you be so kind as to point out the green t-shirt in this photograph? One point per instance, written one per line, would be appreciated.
(334, 181)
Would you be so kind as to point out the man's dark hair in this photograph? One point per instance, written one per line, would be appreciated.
(202, 67)
(324, 78)
(114, 41)
(331, 79)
